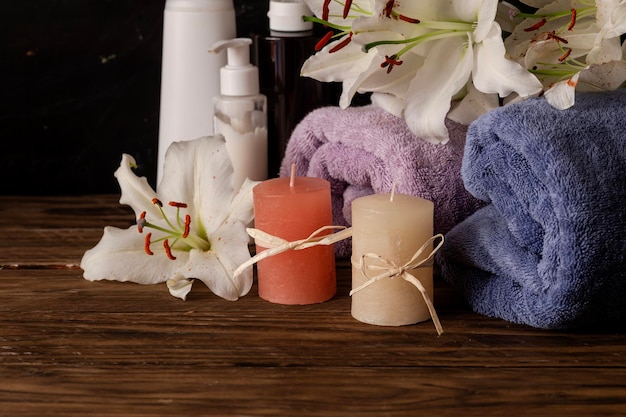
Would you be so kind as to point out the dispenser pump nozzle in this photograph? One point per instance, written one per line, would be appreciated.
(238, 77)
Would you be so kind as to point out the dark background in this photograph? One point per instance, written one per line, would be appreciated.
(79, 86)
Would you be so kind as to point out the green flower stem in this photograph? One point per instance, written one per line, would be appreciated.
(192, 239)
(580, 13)
(554, 72)
(412, 42)
(165, 217)
(451, 26)
(160, 229)
(314, 19)
(197, 242)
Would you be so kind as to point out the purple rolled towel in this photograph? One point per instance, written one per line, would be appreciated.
(364, 150)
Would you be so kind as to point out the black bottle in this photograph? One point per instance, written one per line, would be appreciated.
(279, 55)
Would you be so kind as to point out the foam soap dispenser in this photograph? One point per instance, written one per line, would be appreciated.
(240, 112)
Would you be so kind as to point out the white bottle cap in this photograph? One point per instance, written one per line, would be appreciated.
(198, 5)
(238, 77)
(286, 16)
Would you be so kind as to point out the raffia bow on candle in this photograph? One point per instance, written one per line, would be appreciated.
(365, 264)
(275, 245)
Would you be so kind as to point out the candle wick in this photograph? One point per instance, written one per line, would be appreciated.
(393, 191)
(292, 178)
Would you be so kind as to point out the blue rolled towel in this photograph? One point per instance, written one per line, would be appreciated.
(549, 249)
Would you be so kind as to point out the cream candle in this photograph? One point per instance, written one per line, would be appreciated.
(292, 209)
(393, 227)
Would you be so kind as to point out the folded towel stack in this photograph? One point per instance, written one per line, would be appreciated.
(364, 150)
(549, 250)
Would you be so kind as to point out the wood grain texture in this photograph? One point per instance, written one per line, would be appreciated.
(73, 347)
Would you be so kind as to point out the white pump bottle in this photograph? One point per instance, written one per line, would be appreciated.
(240, 112)
(190, 75)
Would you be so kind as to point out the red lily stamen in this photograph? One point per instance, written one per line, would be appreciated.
(572, 22)
(157, 202)
(141, 221)
(390, 62)
(187, 223)
(341, 44)
(322, 42)
(326, 10)
(171, 229)
(554, 36)
(168, 250)
(408, 19)
(565, 55)
(146, 244)
(389, 7)
(536, 25)
(346, 8)
(572, 83)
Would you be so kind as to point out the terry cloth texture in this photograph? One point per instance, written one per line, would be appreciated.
(364, 150)
(548, 250)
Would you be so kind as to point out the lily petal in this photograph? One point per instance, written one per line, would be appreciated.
(617, 23)
(605, 50)
(494, 73)
(216, 267)
(179, 286)
(395, 82)
(346, 65)
(445, 72)
(240, 208)
(485, 20)
(199, 172)
(136, 192)
(605, 77)
(391, 104)
(119, 256)
(562, 94)
(473, 105)
(505, 16)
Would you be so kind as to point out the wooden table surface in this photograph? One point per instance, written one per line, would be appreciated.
(73, 347)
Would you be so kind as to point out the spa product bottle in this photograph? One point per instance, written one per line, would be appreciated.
(190, 75)
(279, 54)
(240, 112)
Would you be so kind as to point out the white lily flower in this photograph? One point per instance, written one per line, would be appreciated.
(572, 45)
(473, 105)
(344, 60)
(470, 51)
(194, 227)
(421, 53)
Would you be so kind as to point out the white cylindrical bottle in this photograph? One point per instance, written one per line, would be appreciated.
(190, 75)
(240, 112)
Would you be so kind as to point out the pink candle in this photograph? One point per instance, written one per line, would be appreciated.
(292, 209)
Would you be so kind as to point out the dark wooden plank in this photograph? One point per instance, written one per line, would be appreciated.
(73, 347)
(55, 313)
(156, 390)
(55, 231)
(46, 247)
